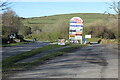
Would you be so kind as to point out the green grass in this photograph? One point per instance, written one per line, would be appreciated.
(42, 21)
(103, 41)
(47, 24)
(15, 44)
(110, 41)
(8, 62)
(93, 40)
(27, 65)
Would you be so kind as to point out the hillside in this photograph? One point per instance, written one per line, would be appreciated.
(42, 21)
(57, 26)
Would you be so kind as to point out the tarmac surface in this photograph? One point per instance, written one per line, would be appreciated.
(13, 50)
(37, 56)
(93, 61)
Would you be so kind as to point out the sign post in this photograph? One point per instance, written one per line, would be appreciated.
(76, 29)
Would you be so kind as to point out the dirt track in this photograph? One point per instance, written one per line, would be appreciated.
(98, 61)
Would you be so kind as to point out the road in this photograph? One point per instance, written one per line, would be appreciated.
(13, 50)
(37, 56)
(94, 61)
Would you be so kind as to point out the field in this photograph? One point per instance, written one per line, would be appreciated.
(50, 28)
(88, 18)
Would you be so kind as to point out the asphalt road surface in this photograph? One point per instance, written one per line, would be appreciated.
(13, 50)
(95, 61)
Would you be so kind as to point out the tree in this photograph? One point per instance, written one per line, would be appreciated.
(10, 23)
(24, 30)
(58, 30)
(115, 6)
(4, 5)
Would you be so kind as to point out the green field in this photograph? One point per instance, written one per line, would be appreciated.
(50, 28)
(42, 21)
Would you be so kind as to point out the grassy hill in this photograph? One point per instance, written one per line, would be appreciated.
(57, 26)
(42, 21)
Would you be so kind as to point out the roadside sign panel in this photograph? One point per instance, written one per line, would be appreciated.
(76, 20)
(61, 41)
(72, 35)
(84, 40)
(75, 24)
(76, 28)
(13, 35)
(78, 37)
(87, 36)
(78, 32)
(72, 38)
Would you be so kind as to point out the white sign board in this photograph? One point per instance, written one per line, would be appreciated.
(78, 37)
(87, 36)
(12, 36)
(61, 41)
(76, 28)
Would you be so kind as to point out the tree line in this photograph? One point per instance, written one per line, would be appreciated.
(11, 23)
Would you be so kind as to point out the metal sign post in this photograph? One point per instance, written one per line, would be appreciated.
(81, 40)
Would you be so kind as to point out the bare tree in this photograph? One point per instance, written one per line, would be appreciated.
(115, 6)
(4, 5)
(119, 7)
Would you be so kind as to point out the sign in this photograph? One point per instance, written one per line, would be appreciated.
(76, 28)
(12, 35)
(87, 36)
(84, 40)
(78, 37)
(61, 41)
(76, 20)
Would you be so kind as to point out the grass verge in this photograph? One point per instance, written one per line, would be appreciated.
(9, 62)
(24, 66)
(15, 44)
(110, 41)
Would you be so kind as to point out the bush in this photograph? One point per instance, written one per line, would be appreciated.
(101, 30)
(53, 32)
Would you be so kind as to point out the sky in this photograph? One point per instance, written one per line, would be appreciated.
(37, 9)
(62, 0)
